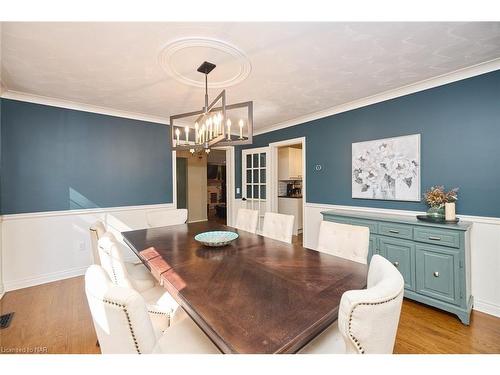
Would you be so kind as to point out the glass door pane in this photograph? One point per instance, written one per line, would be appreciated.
(255, 173)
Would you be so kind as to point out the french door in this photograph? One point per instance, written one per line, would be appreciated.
(255, 181)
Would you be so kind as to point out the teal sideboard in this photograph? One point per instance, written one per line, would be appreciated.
(434, 259)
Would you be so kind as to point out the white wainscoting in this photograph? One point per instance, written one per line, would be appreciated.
(485, 250)
(1, 273)
(42, 247)
(37, 248)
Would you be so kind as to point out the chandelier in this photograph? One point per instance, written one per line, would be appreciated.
(217, 124)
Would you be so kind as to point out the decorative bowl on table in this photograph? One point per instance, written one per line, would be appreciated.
(216, 238)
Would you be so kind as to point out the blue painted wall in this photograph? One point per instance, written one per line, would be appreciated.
(459, 125)
(60, 159)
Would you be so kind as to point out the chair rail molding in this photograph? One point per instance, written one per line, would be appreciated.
(485, 249)
(42, 247)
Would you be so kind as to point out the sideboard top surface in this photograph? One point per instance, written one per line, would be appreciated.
(405, 219)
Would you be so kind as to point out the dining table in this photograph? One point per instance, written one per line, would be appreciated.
(255, 295)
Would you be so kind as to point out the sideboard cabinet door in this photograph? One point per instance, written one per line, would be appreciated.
(401, 253)
(437, 273)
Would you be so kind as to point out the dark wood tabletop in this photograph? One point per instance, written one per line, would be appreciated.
(256, 295)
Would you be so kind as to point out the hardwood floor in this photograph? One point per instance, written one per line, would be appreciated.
(424, 329)
(50, 318)
(55, 318)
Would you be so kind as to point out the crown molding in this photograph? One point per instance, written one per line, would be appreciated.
(457, 75)
(62, 103)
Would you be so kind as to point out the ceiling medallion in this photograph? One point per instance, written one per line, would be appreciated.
(216, 124)
(174, 52)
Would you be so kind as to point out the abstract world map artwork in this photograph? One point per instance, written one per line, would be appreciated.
(387, 169)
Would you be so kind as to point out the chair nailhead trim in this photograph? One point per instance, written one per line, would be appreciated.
(158, 313)
(124, 308)
(351, 336)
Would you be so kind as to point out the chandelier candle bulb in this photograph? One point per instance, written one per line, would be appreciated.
(196, 132)
(228, 130)
(186, 129)
(241, 129)
(178, 133)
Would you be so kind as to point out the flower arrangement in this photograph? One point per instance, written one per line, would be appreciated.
(436, 196)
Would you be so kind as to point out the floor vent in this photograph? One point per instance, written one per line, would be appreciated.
(5, 320)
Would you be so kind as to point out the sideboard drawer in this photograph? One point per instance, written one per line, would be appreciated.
(435, 236)
(372, 225)
(402, 254)
(437, 273)
(396, 230)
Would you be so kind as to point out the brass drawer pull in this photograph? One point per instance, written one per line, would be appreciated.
(434, 238)
(396, 264)
(436, 274)
(393, 231)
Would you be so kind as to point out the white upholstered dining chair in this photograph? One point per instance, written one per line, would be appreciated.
(343, 240)
(123, 325)
(247, 220)
(278, 226)
(96, 230)
(164, 218)
(136, 269)
(368, 319)
(164, 310)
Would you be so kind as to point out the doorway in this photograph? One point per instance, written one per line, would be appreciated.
(191, 182)
(288, 182)
(217, 187)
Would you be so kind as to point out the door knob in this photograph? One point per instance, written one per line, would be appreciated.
(436, 274)
(396, 264)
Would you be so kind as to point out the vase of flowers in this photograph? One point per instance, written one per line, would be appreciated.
(437, 199)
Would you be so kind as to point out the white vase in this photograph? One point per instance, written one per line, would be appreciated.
(449, 211)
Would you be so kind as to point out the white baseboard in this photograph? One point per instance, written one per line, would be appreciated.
(43, 279)
(487, 308)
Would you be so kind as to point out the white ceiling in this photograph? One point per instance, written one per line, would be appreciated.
(288, 69)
